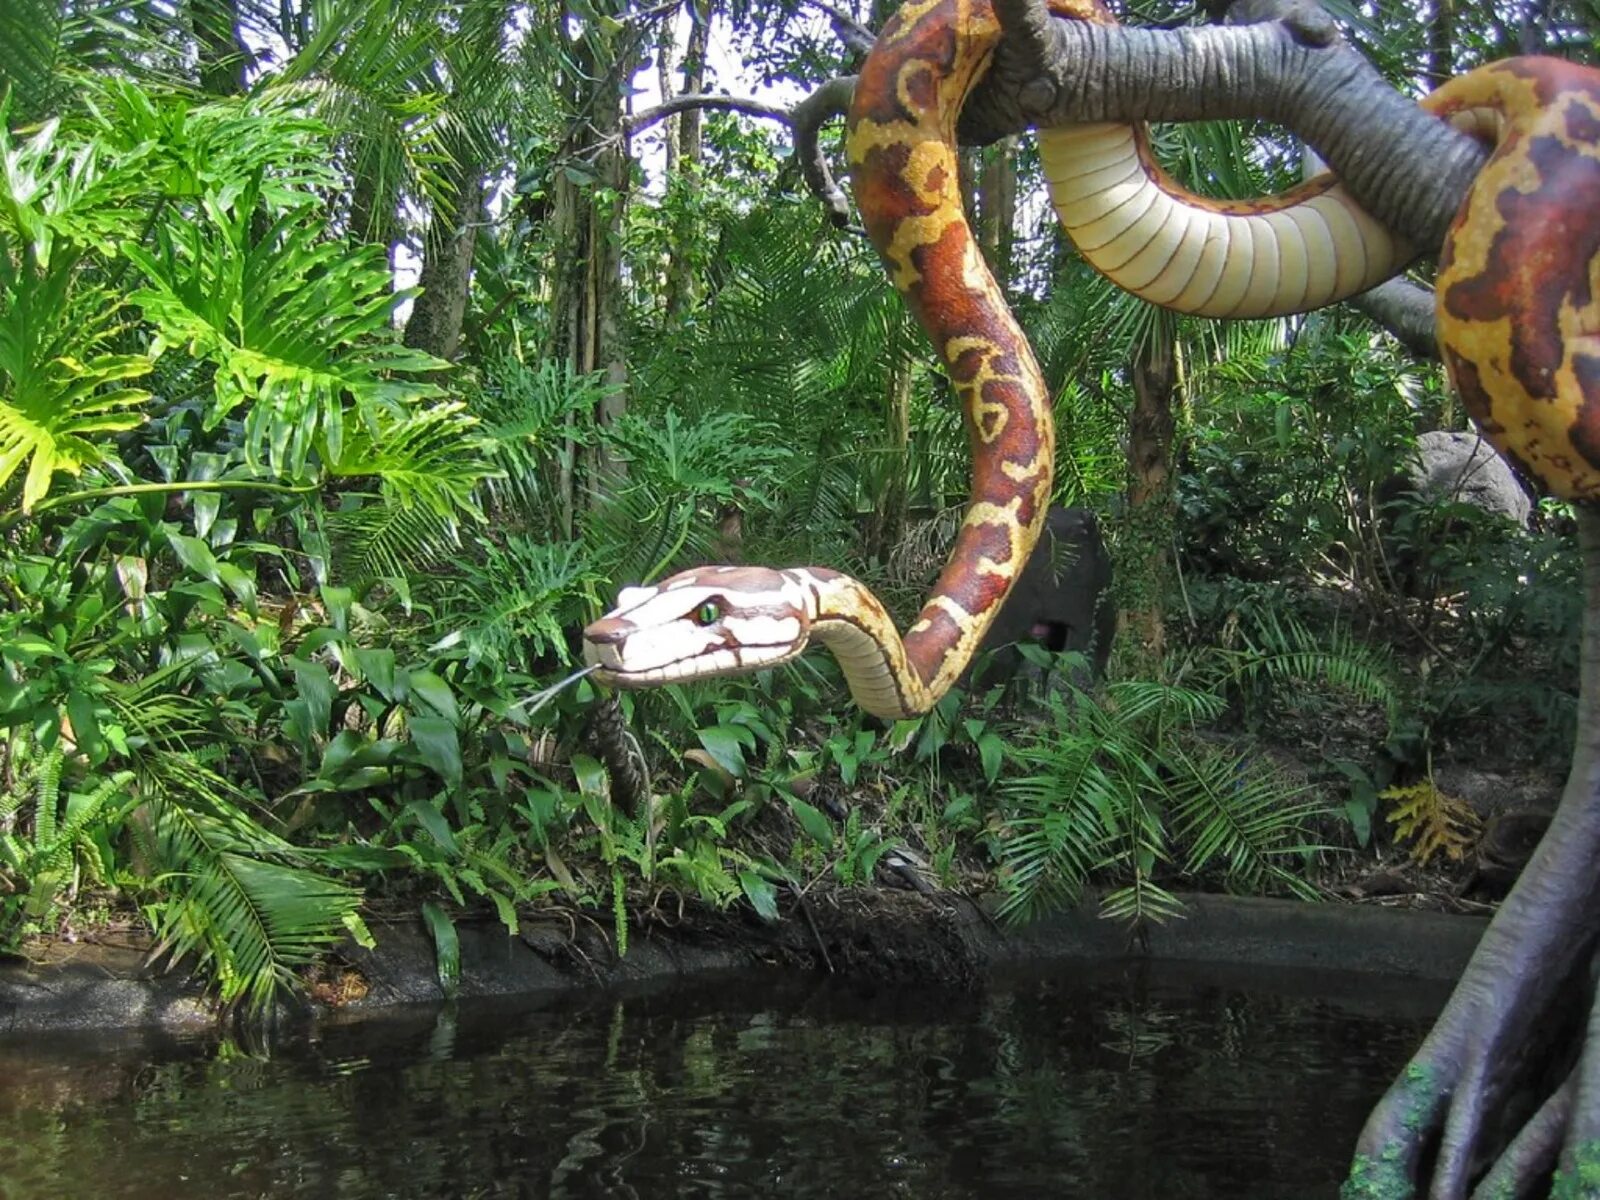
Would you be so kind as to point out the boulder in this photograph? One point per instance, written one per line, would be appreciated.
(1456, 466)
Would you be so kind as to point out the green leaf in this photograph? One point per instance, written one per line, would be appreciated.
(437, 694)
(196, 555)
(359, 933)
(815, 823)
(727, 744)
(315, 687)
(85, 724)
(1360, 814)
(438, 747)
(337, 601)
(762, 895)
(506, 910)
(446, 946)
(29, 644)
(992, 753)
(240, 584)
(431, 819)
(377, 668)
(590, 775)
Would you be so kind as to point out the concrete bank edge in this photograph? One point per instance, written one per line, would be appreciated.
(82, 988)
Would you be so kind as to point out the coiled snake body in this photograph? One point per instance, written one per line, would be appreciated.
(1517, 296)
(1284, 254)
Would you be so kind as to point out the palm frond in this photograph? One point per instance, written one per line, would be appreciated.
(46, 46)
(372, 537)
(1280, 648)
(1227, 810)
(246, 918)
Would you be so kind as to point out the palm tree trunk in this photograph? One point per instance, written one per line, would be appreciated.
(997, 207)
(1151, 428)
(586, 326)
(221, 58)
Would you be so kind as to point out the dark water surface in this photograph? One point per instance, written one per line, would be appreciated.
(1125, 1082)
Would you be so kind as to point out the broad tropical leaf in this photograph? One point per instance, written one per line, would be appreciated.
(295, 326)
(59, 385)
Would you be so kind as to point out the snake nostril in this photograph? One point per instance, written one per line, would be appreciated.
(608, 631)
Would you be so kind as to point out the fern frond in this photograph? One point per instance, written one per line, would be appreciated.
(1431, 820)
(1141, 902)
(1282, 648)
(47, 792)
(382, 539)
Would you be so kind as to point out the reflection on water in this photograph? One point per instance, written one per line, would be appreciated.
(1120, 1083)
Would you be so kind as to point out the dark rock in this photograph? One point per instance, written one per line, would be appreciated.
(1062, 602)
(891, 937)
(85, 986)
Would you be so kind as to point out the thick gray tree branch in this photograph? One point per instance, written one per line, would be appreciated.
(1031, 33)
(1280, 60)
(806, 118)
(1406, 311)
(832, 99)
(1407, 167)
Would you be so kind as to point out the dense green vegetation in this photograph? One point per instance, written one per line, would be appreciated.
(293, 559)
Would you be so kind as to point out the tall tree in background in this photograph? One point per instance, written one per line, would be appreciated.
(475, 81)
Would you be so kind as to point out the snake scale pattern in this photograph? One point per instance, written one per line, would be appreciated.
(1517, 296)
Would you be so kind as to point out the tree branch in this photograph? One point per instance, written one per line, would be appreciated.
(852, 33)
(1405, 309)
(640, 121)
(1030, 33)
(832, 99)
(1408, 168)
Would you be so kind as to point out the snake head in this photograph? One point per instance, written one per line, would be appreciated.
(698, 624)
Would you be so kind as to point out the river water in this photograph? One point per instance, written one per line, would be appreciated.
(1113, 1082)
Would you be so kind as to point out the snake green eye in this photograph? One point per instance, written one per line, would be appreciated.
(707, 613)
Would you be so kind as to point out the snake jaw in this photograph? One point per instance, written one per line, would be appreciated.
(700, 624)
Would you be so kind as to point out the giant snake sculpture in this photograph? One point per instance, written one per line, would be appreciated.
(1306, 248)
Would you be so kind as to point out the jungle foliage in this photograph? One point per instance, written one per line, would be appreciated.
(287, 593)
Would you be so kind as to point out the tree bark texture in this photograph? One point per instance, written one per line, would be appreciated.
(1529, 966)
(446, 277)
(683, 157)
(586, 309)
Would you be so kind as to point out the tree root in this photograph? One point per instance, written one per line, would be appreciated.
(1441, 1122)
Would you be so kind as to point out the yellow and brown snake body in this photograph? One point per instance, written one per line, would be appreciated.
(1518, 291)
(1280, 255)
